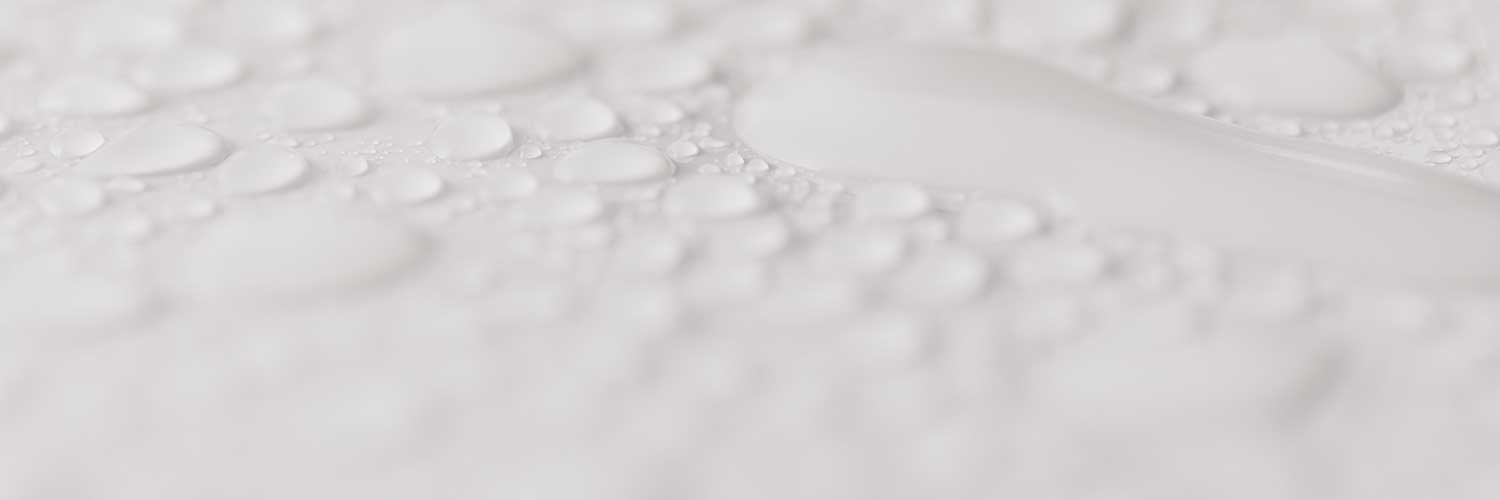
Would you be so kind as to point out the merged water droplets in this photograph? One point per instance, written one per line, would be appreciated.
(1292, 75)
(975, 94)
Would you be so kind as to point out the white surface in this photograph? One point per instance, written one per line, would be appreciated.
(399, 249)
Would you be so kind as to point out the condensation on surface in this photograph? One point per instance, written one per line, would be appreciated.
(716, 249)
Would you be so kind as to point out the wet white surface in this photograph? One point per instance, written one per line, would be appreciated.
(709, 249)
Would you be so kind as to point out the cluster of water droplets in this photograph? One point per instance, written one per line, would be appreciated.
(712, 249)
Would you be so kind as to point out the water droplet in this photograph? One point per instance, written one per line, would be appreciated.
(188, 69)
(246, 255)
(1481, 138)
(1184, 176)
(405, 185)
(93, 96)
(618, 21)
(70, 196)
(34, 299)
(682, 150)
(261, 170)
(1150, 81)
(863, 251)
(766, 25)
(71, 144)
(1426, 60)
(263, 22)
(471, 137)
(25, 165)
(560, 207)
(349, 166)
(316, 104)
(461, 51)
(578, 120)
(1065, 22)
(1292, 75)
(514, 183)
(891, 200)
(157, 148)
(125, 185)
(1056, 263)
(613, 162)
(120, 28)
(657, 70)
(992, 223)
(754, 237)
(938, 276)
(712, 196)
(647, 253)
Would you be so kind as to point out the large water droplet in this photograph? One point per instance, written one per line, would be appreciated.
(188, 69)
(246, 255)
(93, 96)
(617, 22)
(158, 148)
(261, 170)
(405, 185)
(42, 300)
(70, 196)
(613, 161)
(577, 120)
(975, 119)
(263, 22)
(1292, 75)
(712, 196)
(316, 104)
(472, 137)
(1426, 59)
(561, 207)
(656, 70)
(70, 144)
